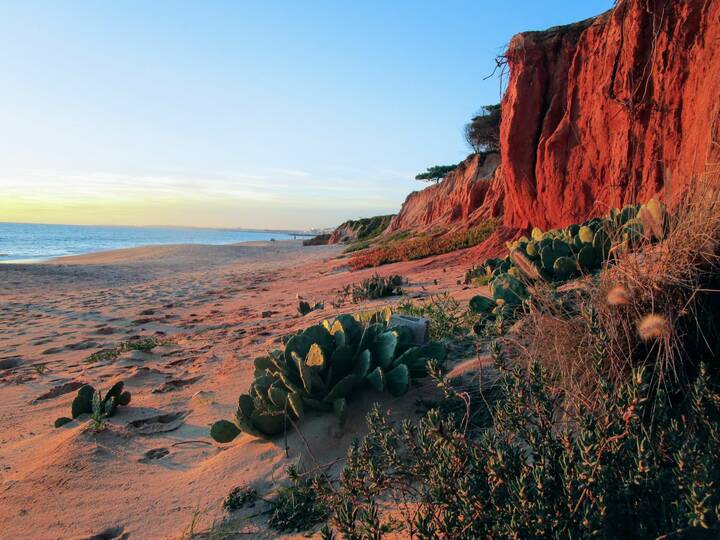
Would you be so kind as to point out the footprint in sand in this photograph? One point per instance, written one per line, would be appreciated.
(155, 453)
(160, 423)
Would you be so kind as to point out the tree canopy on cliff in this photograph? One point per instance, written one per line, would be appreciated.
(483, 131)
(436, 173)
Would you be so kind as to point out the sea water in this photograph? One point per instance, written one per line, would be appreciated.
(34, 242)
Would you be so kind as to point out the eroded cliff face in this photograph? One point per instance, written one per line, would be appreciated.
(611, 110)
(457, 200)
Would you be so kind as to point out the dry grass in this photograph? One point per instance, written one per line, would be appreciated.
(652, 306)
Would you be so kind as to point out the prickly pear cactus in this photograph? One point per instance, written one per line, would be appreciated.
(83, 402)
(321, 367)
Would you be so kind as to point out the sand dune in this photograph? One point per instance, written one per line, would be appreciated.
(155, 469)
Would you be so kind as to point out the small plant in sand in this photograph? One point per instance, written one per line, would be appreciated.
(376, 287)
(101, 410)
(305, 307)
(321, 367)
(91, 401)
(143, 343)
(240, 497)
(301, 505)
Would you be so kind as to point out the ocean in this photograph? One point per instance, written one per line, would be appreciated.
(33, 242)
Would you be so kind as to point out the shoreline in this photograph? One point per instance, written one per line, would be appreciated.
(69, 258)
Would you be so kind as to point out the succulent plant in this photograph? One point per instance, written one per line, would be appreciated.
(559, 254)
(589, 258)
(508, 289)
(306, 307)
(481, 304)
(564, 268)
(83, 402)
(321, 367)
(586, 234)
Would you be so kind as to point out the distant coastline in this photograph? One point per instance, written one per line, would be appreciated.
(32, 243)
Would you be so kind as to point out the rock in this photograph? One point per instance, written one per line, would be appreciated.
(454, 201)
(418, 325)
(615, 109)
(609, 110)
(266, 314)
(203, 396)
(136, 356)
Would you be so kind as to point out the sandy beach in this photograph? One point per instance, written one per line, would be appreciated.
(155, 472)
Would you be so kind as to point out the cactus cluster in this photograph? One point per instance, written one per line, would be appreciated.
(83, 402)
(562, 254)
(321, 367)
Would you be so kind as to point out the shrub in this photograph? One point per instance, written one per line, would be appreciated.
(446, 317)
(376, 287)
(483, 132)
(436, 173)
(301, 505)
(640, 468)
(143, 343)
(240, 497)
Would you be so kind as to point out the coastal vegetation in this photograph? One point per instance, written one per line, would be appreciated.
(595, 414)
(91, 401)
(140, 343)
(436, 241)
(436, 173)
(321, 367)
(482, 133)
(374, 288)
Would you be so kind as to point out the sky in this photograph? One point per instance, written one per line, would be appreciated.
(259, 114)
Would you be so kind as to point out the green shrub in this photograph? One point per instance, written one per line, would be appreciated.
(301, 505)
(240, 497)
(426, 244)
(643, 465)
(446, 316)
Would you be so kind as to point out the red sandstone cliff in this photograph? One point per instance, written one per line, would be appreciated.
(614, 109)
(455, 200)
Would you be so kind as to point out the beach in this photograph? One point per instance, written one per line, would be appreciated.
(155, 472)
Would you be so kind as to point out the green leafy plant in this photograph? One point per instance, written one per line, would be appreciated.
(321, 367)
(447, 318)
(436, 173)
(427, 244)
(561, 254)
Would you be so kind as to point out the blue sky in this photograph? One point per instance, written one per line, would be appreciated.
(254, 114)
